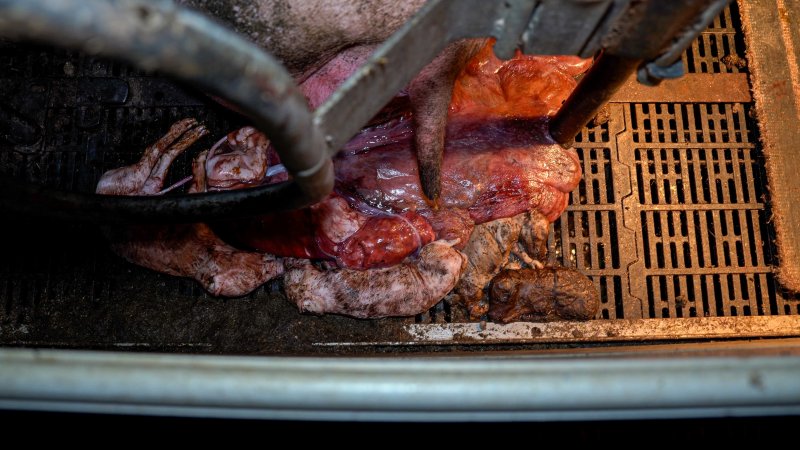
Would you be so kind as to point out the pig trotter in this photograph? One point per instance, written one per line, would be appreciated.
(552, 293)
(430, 95)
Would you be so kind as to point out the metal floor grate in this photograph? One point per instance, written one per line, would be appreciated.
(671, 224)
(670, 221)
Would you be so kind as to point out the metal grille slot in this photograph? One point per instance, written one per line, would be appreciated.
(716, 50)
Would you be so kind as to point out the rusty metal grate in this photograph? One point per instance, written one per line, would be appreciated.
(719, 48)
(670, 221)
(688, 228)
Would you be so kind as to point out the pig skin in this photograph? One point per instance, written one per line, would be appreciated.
(405, 289)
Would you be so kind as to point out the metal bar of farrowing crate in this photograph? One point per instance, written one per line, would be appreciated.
(646, 31)
(398, 389)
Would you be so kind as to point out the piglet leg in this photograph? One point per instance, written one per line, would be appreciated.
(146, 177)
(551, 293)
(403, 290)
(430, 93)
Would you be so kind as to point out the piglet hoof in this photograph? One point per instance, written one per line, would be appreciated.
(548, 294)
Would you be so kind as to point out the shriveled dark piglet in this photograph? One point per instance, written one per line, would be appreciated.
(494, 246)
(550, 293)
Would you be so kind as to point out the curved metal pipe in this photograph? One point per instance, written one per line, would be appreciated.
(32, 199)
(157, 34)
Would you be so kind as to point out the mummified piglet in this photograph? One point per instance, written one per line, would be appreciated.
(550, 293)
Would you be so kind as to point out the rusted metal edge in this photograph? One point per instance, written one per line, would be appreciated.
(609, 331)
(691, 88)
(639, 330)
